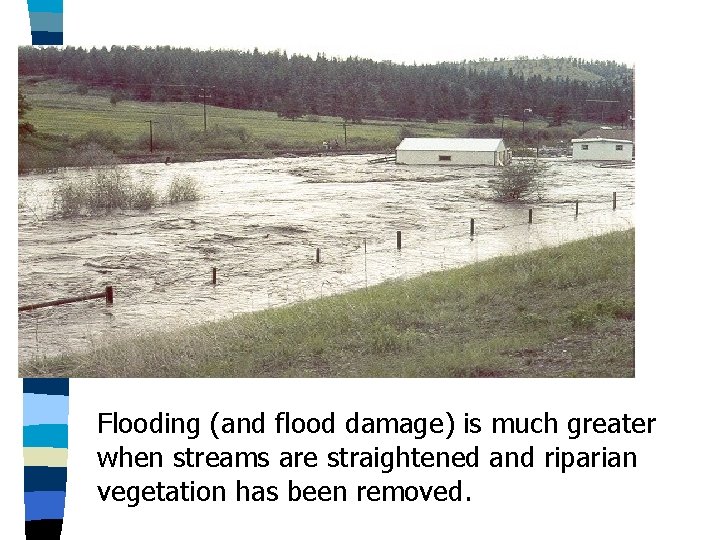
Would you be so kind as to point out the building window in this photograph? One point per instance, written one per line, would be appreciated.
(618, 147)
(444, 158)
(583, 147)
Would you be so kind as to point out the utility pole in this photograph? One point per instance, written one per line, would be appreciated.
(344, 126)
(205, 96)
(151, 142)
(502, 125)
(524, 117)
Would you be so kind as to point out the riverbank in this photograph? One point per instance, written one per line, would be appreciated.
(556, 312)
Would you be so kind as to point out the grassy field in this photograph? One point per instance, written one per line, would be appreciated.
(557, 312)
(65, 117)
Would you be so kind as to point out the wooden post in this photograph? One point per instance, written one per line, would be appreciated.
(530, 215)
(317, 255)
(577, 208)
(472, 226)
(614, 200)
(399, 240)
(109, 294)
(365, 245)
(214, 275)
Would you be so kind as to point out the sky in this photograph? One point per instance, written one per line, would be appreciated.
(399, 31)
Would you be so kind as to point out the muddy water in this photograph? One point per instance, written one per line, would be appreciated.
(260, 221)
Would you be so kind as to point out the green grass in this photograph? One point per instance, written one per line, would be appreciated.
(557, 312)
(61, 112)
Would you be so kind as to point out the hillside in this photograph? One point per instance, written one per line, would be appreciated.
(354, 89)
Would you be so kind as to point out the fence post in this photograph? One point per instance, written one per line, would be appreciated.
(109, 294)
(472, 226)
(399, 240)
(530, 215)
(614, 200)
(317, 255)
(214, 275)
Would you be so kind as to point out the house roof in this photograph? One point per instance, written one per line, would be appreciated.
(457, 144)
(599, 139)
(610, 133)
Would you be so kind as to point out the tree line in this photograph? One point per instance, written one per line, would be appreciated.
(352, 88)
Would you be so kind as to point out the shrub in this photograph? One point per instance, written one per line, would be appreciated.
(172, 133)
(520, 180)
(226, 138)
(90, 154)
(108, 189)
(183, 189)
(407, 133)
(144, 196)
(104, 138)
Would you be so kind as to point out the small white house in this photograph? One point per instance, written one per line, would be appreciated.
(448, 151)
(601, 149)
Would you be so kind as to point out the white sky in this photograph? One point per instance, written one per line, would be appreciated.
(401, 31)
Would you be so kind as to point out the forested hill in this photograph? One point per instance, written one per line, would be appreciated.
(352, 88)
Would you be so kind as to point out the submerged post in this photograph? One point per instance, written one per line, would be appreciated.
(577, 206)
(109, 294)
(614, 200)
(399, 240)
(530, 215)
(472, 226)
(317, 255)
(214, 275)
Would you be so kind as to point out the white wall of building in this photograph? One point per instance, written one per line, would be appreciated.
(602, 150)
(433, 157)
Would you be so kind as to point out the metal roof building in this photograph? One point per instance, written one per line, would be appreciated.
(602, 149)
(452, 151)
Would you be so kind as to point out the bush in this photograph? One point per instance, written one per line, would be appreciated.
(183, 189)
(144, 196)
(226, 138)
(407, 133)
(108, 189)
(90, 154)
(172, 133)
(520, 180)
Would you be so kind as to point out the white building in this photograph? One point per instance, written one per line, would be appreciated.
(602, 149)
(447, 151)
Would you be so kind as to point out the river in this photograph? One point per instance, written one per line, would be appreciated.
(259, 222)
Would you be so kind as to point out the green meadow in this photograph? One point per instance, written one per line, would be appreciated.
(68, 118)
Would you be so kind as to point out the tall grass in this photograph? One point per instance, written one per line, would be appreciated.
(112, 188)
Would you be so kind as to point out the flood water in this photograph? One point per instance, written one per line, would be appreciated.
(259, 223)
